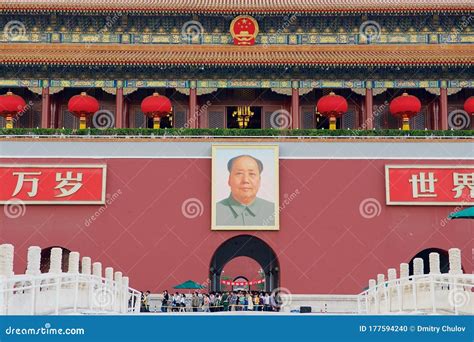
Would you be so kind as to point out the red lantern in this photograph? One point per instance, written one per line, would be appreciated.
(11, 104)
(156, 106)
(332, 106)
(469, 105)
(405, 106)
(81, 106)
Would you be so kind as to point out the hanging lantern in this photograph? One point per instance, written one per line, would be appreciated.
(332, 106)
(81, 106)
(10, 105)
(469, 105)
(156, 106)
(405, 106)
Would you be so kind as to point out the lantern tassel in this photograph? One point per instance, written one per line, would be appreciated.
(82, 122)
(9, 123)
(332, 122)
(156, 122)
(405, 123)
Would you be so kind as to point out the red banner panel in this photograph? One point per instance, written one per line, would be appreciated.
(429, 184)
(52, 184)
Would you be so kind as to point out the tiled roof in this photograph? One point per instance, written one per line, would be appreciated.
(239, 6)
(207, 55)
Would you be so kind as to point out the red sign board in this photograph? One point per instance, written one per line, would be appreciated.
(429, 184)
(52, 184)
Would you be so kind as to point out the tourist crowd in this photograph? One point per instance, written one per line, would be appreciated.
(216, 301)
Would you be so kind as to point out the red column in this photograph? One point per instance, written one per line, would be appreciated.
(443, 108)
(369, 109)
(435, 115)
(45, 108)
(119, 108)
(192, 119)
(295, 108)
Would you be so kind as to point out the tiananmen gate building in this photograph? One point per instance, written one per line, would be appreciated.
(126, 122)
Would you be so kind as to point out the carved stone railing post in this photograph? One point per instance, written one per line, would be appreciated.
(392, 287)
(56, 260)
(381, 292)
(109, 289)
(455, 266)
(372, 296)
(33, 261)
(73, 280)
(98, 286)
(55, 267)
(6, 270)
(118, 294)
(434, 264)
(125, 297)
(7, 252)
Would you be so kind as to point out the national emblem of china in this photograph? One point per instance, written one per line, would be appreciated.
(244, 29)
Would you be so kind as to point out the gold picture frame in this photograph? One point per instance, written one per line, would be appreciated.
(227, 213)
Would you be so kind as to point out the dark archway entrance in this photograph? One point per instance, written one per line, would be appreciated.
(249, 246)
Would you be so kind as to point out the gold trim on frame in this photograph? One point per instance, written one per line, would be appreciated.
(276, 227)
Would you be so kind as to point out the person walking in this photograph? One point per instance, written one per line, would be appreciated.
(175, 302)
(145, 305)
(182, 306)
(205, 304)
(273, 303)
(266, 302)
(212, 300)
(242, 299)
(249, 302)
(219, 302)
(164, 301)
(195, 302)
(262, 301)
(256, 302)
(225, 301)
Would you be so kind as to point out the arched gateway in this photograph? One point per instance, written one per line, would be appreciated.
(249, 246)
